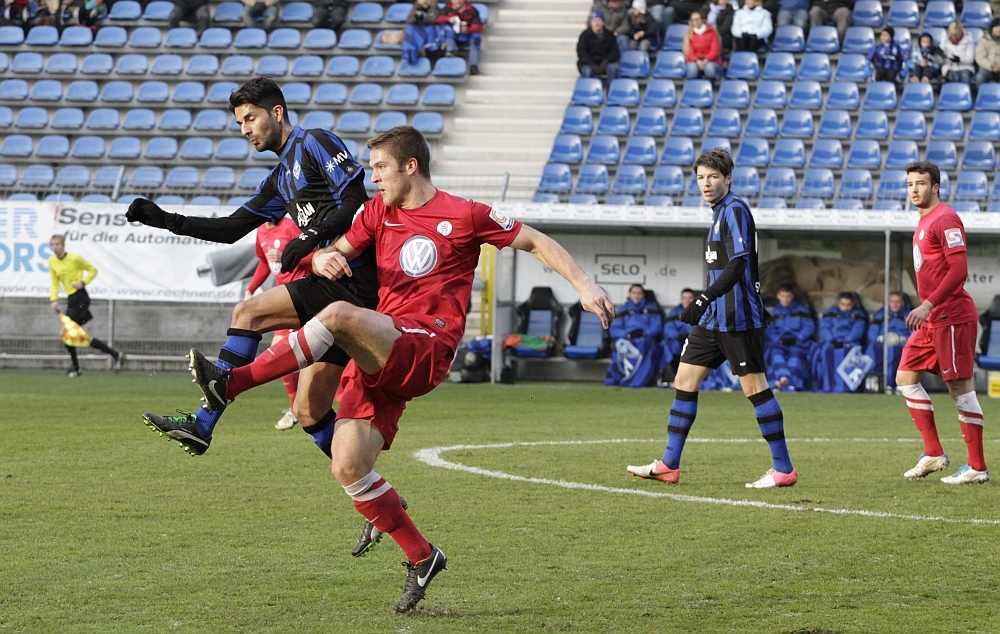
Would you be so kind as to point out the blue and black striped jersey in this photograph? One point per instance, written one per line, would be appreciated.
(733, 235)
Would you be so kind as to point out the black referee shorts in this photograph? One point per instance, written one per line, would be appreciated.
(79, 307)
(313, 293)
(709, 348)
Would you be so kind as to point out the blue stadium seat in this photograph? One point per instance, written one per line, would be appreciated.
(24, 196)
(770, 94)
(97, 64)
(8, 175)
(583, 199)
(984, 126)
(366, 95)
(856, 183)
(567, 148)
(42, 36)
(402, 95)
(658, 201)
(252, 177)
(640, 150)
(210, 120)
(69, 119)
(556, 178)
(206, 200)
(388, 120)
(88, 147)
(835, 124)
(853, 204)
(46, 90)
(613, 120)
(754, 152)
(945, 191)
(296, 12)
(331, 95)
(604, 148)
(904, 40)
(60, 64)
(145, 37)
(250, 38)
(789, 38)
(867, 13)
(966, 206)
(125, 10)
(818, 182)
(772, 202)
(175, 120)
(979, 155)
(955, 96)
(161, 148)
(38, 176)
(624, 92)
(27, 62)
(11, 35)
(593, 179)
(779, 181)
(881, 95)
(806, 94)
(106, 177)
(939, 13)
(843, 95)
(32, 118)
(297, 93)
(231, 149)
(320, 119)
(917, 97)
(166, 64)
(319, 39)
(96, 198)
(678, 150)
(660, 92)
(377, 66)
(343, 66)
(215, 37)
(697, 93)
(634, 64)
(901, 153)
(4, 62)
(237, 65)
(157, 11)
(797, 123)
(76, 36)
(976, 14)
(354, 122)
(132, 64)
(668, 180)
(13, 90)
(733, 93)
(892, 184)
(112, 37)
(219, 91)
(710, 143)
(52, 146)
(236, 201)
(285, 38)
(439, 96)
(670, 65)
(988, 97)
(450, 67)
(73, 176)
(725, 122)
(421, 69)
(675, 37)
(228, 12)
(852, 67)
(746, 181)
(823, 39)
(102, 119)
(630, 180)
(7, 117)
(694, 200)
(789, 153)
(189, 92)
(688, 122)
(428, 123)
(125, 147)
(743, 65)
(398, 12)
(153, 92)
(139, 119)
(355, 40)
(368, 13)
(903, 13)
(944, 154)
(872, 124)
(972, 185)
(182, 177)
(865, 153)
(117, 92)
(197, 148)
(859, 39)
(762, 122)
(910, 124)
(816, 66)
(827, 153)
(277, 65)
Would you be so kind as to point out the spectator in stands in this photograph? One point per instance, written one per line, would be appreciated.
(837, 11)
(643, 31)
(898, 333)
(925, 63)
(654, 9)
(887, 58)
(751, 27)
(841, 330)
(18, 13)
(959, 53)
(331, 14)
(260, 13)
(675, 333)
(64, 13)
(615, 19)
(793, 12)
(680, 10)
(702, 49)
(635, 356)
(465, 32)
(423, 37)
(988, 55)
(191, 11)
(719, 15)
(597, 50)
(789, 344)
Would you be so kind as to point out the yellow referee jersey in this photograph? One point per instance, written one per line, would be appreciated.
(68, 270)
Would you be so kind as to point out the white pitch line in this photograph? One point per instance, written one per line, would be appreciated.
(432, 457)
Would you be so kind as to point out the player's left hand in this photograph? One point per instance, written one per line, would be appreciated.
(77, 285)
(331, 265)
(693, 312)
(594, 299)
(299, 248)
(918, 315)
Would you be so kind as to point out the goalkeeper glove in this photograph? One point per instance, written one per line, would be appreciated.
(148, 213)
(696, 309)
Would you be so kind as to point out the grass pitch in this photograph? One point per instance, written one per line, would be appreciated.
(106, 527)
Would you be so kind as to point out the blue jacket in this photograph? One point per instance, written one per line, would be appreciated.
(675, 330)
(888, 56)
(897, 324)
(841, 327)
(795, 321)
(644, 316)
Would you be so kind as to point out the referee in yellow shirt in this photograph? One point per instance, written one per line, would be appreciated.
(68, 269)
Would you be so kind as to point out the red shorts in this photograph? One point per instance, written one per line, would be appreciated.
(418, 362)
(947, 350)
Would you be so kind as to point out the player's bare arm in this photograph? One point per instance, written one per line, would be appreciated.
(553, 255)
(333, 262)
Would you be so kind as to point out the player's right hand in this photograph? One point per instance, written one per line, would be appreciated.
(146, 212)
(331, 265)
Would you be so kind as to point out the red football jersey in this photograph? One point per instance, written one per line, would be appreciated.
(276, 238)
(940, 234)
(427, 257)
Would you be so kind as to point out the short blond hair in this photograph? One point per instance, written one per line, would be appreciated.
(955, 28)
(58, 237)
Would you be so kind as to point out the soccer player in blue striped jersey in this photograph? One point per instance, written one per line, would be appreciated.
(729, 321)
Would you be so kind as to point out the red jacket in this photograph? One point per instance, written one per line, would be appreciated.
(705, 46)
(467, 14)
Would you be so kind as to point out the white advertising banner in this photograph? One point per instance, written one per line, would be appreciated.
(134, 262)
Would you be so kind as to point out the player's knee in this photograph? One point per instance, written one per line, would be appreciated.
(346, 470)
(337, 316)
(242, 316)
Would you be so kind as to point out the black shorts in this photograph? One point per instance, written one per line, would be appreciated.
(79, 307)
(709, 348)
(313, 293)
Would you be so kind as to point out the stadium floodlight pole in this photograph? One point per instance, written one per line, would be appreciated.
(885, 313)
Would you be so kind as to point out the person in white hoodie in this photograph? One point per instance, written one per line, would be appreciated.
(959, 54)
(751, 27)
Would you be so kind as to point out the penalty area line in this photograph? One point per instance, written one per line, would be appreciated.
(431, 456)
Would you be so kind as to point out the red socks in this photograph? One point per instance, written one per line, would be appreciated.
(970, 418)
(922, 412)
(291, 382)
(300, 349)
(379, 503)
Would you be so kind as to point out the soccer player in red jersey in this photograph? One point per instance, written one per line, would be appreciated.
(270, 242)
(944, 330)
(427, 245)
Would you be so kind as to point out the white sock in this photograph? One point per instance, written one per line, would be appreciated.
(969, 411)
(311, 342)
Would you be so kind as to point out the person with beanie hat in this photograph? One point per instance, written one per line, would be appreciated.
(643, 30)
(887, 58)
(988, 55)
(597, 50)
(925, 60)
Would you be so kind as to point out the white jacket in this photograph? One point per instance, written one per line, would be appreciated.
(965, 50)
(756, 21)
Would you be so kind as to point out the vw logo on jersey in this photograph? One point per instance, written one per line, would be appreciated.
(418, 256)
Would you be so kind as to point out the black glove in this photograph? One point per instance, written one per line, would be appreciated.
(303, 246)
(148, 213)
(258, 9)
(955, 59)
(692, 314)
(837, 344)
